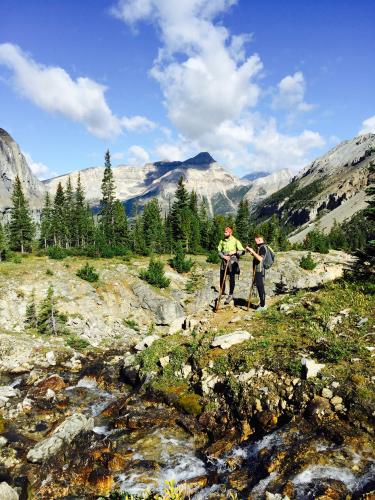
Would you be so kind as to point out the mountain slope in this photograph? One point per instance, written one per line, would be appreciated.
(13, 163)
(324, 185)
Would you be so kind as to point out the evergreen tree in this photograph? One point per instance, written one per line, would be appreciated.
(195, 230)
(31, 315)
(3, 243)
(137, 236)
(316, 241)
(242, 221)
(107, 201)
(46, 222)
(181, 215)
(120, 225)
(70, 221)
(59, 221)
(50, 321)
(21, 227)
(204, 223)
(337, 237)
(153, 229)
(81, 215)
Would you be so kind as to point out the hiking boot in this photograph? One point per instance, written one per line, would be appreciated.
(261, 308)
(228, 300)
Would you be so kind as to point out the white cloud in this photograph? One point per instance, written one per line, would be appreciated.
(203, 72)
(291, 94)
(119, 155)
(138, 155)
(273, 150)
(39, 169)
(211, 88)
(368, 126)
(53, 90)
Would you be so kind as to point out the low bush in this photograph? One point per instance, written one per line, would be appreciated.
(155, 275)
(307, 262)
(179, 262)
(57, 253)
(87, 273)
(213, 257)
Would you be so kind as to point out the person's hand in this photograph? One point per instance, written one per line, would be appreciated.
(226, 257)
(249, 249)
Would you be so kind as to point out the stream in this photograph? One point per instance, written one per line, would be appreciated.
(138, 443)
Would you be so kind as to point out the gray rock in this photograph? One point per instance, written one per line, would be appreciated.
(164, 361)
(312, 368)
(164, 309)
(3, 441)
(327, 393)
(61, 436)
(230, 339)
(7, 493)
(336, 400)
(146, 342)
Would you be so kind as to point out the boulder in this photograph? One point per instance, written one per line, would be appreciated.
(164, 309)
(7, 493)
(61, 436)
(228, 340)
(146, 342)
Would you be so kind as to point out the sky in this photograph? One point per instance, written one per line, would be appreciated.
(259, 84)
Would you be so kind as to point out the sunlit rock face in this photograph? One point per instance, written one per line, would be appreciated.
(13, 163)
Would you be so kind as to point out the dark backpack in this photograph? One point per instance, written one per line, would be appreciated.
(269, 258)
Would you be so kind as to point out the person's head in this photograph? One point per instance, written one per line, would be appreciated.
(228, 231)
(258, 239)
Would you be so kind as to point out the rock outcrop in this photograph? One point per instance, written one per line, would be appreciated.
(13, 163)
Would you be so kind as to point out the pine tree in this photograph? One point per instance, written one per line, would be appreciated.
(195, 230)
(204, 224)
(31, 315)
(153, 230)
(80, 215)
(3, 243)
(50, 321)
(21, 227)
(107, 201)
(137, 237)
(120, 225)
(59, 221)
(181, 215)
(242, 221)
(46, 222)
(70, 221)
(337, 237)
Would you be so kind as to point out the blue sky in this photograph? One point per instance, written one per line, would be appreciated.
(261, 85)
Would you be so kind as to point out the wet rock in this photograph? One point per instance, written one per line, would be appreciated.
(311, 368)
(239, 480)
(146, 342)
(7, 493)
(228, 340)
(220, 447)
(62, 435)
(101, 481)
(191, 486)
(319, 410)
(267, 420)
(52, 383)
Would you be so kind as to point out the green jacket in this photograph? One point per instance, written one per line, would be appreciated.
(230, 244)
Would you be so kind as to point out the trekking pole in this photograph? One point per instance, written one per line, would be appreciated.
(222, 287)
(251, 291)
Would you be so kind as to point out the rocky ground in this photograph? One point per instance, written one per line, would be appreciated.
(141, 367)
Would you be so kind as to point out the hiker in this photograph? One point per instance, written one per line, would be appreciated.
(258, 268)
(230, 249)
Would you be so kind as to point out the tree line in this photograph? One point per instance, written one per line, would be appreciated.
(68, 226)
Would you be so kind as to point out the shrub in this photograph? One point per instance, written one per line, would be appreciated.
(316, 241)
(57, 253)
(307, 262)
(88, 273)
(179, 261)
(49, 272)
(155, 275)
(76, 342)
(130, 323)
(213, 257)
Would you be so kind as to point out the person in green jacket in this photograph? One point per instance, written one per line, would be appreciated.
(230, 249)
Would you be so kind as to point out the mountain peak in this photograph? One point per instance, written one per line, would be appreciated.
(5, 136)
(202, 158)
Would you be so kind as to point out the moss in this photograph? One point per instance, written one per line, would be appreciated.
(2, 424)
(190, 403)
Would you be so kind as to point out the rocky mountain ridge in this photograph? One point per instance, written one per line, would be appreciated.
(324, 186)
(13, 163)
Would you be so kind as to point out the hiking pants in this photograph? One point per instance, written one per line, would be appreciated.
(231, 275)
(259, 281)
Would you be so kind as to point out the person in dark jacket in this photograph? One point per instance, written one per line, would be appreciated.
(258, 268)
